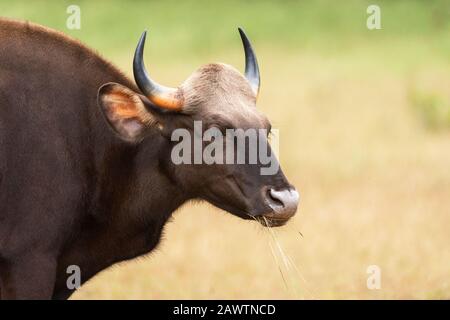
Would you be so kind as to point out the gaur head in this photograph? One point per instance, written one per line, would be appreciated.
(215, 104)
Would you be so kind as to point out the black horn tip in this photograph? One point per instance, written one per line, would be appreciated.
(143, 36)
(242, 34)
(251, 63)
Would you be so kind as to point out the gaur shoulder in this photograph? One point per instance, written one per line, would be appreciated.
(35, 32)
(26, 31)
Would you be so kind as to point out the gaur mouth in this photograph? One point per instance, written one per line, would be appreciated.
(270, 221)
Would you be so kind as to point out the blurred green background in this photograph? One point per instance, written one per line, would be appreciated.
(191, 28)
(364, 120)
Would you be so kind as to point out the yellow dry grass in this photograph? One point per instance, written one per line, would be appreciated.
(374, 185)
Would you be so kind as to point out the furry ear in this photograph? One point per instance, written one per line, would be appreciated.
(124, 111)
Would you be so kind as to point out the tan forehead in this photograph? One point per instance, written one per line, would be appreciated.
(221, 90)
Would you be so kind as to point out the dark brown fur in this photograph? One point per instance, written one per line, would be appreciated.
(71, 191)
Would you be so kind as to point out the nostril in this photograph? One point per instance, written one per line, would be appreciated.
(285, 201)
(274, 197)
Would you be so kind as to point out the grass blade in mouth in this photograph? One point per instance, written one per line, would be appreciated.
(283, 264)
(291, 274)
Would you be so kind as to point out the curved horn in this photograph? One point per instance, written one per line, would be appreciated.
(161, 96)
(251, 64)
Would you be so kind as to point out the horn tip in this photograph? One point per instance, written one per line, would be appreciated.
(244, 37)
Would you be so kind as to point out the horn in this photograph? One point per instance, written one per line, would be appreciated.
(162, 96)
(251, 64)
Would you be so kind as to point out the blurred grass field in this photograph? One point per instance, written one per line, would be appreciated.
(353, 107)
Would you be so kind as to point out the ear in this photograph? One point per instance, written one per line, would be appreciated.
(124, 111)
